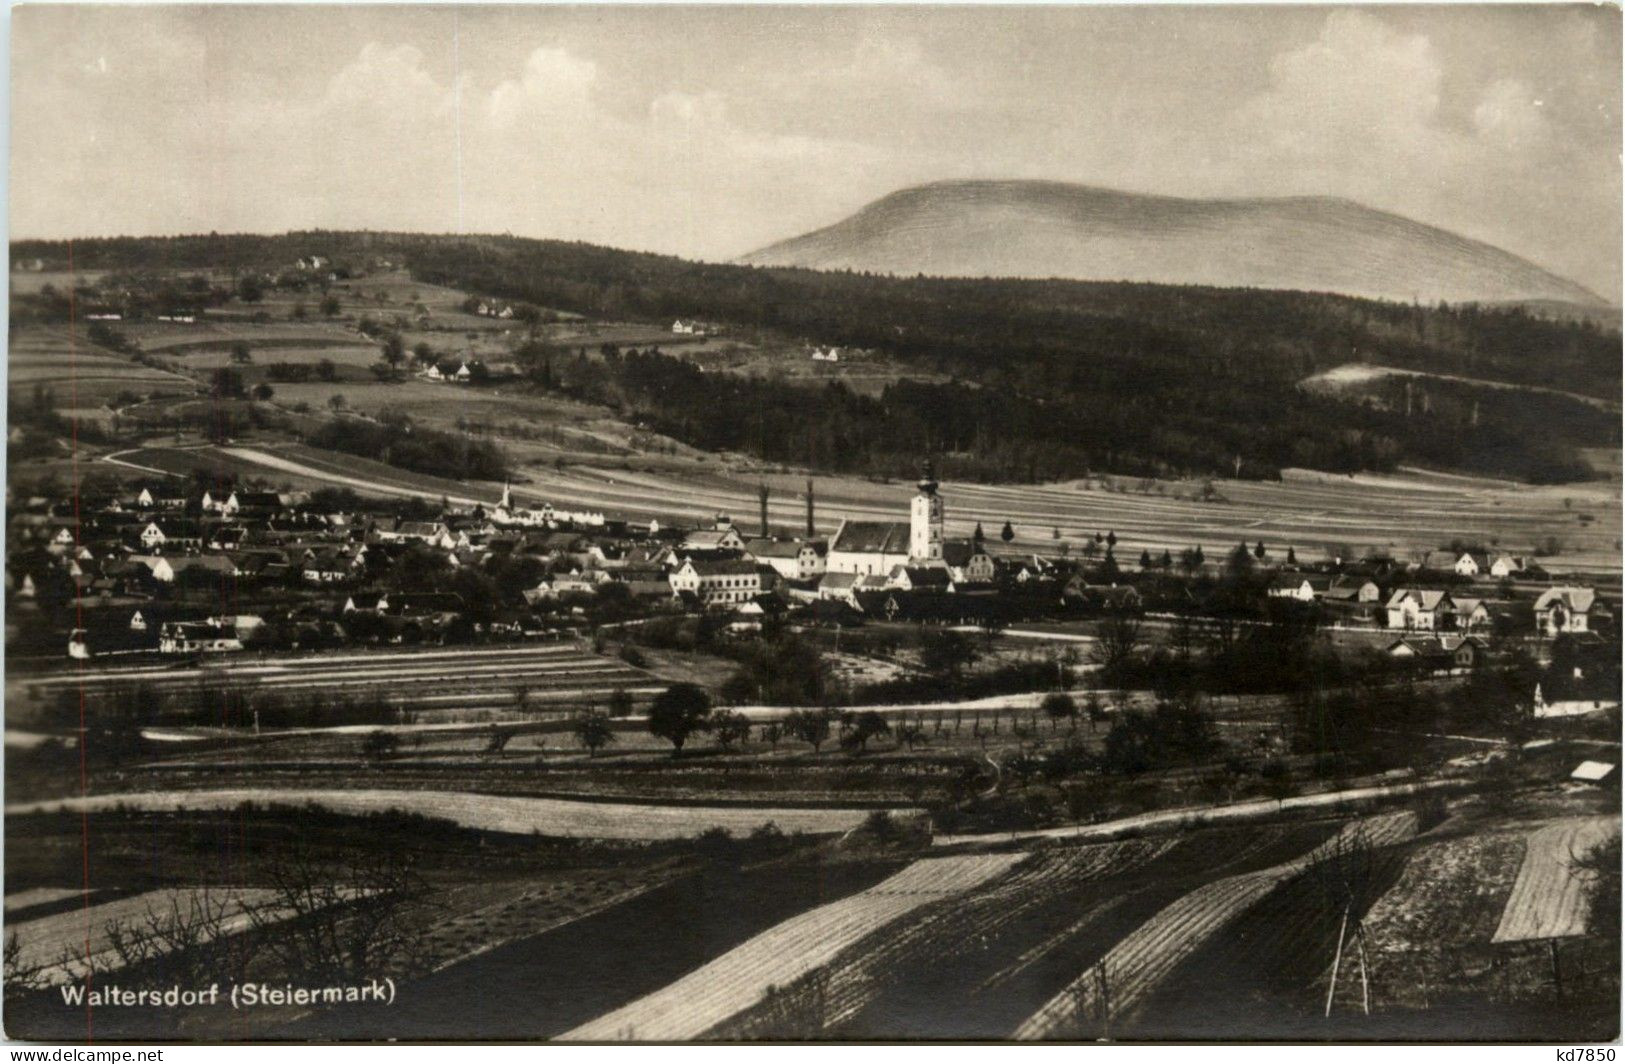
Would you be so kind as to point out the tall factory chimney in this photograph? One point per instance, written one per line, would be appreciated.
(811, 532)
(761, 497)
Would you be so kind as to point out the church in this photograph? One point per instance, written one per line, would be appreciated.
(875, 548)
(506, 513)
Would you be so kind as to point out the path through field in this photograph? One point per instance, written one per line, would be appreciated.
(739, 978)
(550, 817)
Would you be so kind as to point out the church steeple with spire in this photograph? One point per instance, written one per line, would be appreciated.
(925, 519)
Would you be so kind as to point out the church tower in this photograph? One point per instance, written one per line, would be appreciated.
(925, 521)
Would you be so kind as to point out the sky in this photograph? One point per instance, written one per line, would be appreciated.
(710, 131)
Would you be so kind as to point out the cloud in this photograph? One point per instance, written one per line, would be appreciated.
(554, 82)
(1360, 111)
(168, 119)
(1511, 116)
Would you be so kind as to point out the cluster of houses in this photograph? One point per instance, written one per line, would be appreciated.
(686, 327)
(489, 309)
(1357, 596)
(139, 557)
(133, 562)
(456, 371)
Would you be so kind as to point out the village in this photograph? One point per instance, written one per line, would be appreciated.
(152, 575)
(779, 524)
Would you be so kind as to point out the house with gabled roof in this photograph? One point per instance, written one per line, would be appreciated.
(1298, 587)
(968, 563)
(724, 582)
(1420, 608)
(1564, 609)
(792, 559)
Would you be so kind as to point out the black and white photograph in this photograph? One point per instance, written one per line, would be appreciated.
(915, 523)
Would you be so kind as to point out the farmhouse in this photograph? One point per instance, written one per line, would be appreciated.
(193, 637)
(722, 582)
(1481, 563)
(1427, 609)
(1353, 589)
(919, 578)
(791, 559)
(166, 569)
(968, 563)
(434, 533)
(722, 537)
(1472, 614)
(1564, 609)
(1297, 587)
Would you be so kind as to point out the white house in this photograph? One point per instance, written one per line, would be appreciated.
(1426, 609)
(152, 536)
(722, 536)
(968, 563)
(791, 559)
(1355, 591)
(1297, 587)
(1472, 614)
(166, 568)
(1479, 563)
(186, 637)
(1564, 609)
(1569, 707)
(721, 583)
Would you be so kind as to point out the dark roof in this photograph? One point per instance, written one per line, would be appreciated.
(958, 552)
(773, 548)
(926, 576)
(887, 537)
(723, 566)
(423, 601)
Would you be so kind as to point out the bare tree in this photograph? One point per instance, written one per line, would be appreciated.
(23, 975)
(1117, 641)
(332, 924)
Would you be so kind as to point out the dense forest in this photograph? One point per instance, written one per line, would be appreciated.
(1047, 378)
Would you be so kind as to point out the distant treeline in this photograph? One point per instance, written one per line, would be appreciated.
(1048, 378)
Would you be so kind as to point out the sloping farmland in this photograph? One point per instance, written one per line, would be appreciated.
(1549, 897)
(742, 976)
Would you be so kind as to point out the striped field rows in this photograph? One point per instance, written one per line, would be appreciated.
(1549, 898)
(1136, 965)
(739, 978)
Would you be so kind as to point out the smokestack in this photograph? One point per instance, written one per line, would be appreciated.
(761, 497)
(810, 532)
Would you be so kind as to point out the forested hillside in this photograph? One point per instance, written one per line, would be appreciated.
(1052, 378)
